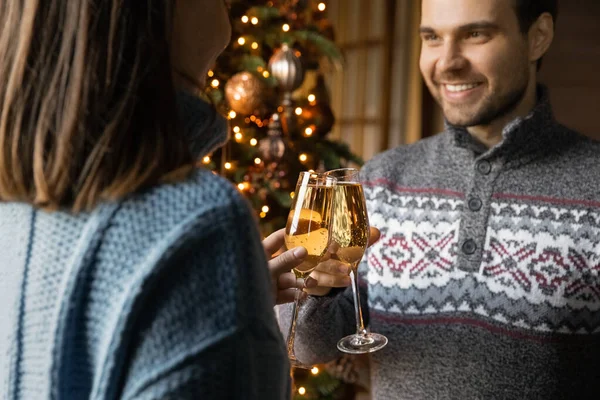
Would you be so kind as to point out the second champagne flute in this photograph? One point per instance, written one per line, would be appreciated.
(350, 236)
(308, 225)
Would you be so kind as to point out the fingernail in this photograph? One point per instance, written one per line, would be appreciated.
(299, 252)
(344, 269)
(300, 283)
(310, 282)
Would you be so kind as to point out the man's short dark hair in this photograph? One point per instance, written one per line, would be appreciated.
(528, 12)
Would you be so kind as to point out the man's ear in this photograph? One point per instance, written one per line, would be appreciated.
(540, 36)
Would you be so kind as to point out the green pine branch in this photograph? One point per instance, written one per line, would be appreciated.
(324, 45)
(264, 14)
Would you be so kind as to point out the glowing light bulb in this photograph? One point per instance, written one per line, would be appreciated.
(215, 83)
(232, 114)
(292, 195)
(227, 165)
(253, 142)
(245, 19)
(266, 74)
(303, 157)
(322, 6)
(238, 137)
(312, 97)
(302, 390)
(314, 370)
(254, 20)
(257, 161)
(263, 214)
(210, 73)
(241, 41)
(206, 160)
(265, 209)
(236, 129)
(298, 111)
(241, 186)
(285, 27)
(254, 45)
(308, 131)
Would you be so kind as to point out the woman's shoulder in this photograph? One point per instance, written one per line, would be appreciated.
(164, 216)
(202, 194)
(201, 190)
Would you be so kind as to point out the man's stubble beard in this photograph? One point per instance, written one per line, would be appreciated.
(491, 108)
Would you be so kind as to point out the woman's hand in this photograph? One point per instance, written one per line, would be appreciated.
(281, 263)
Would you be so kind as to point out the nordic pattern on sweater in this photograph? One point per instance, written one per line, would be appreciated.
(486, 277)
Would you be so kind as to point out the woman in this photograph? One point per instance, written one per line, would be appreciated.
(124, 272)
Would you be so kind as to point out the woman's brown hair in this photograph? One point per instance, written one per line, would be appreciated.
(87, 105)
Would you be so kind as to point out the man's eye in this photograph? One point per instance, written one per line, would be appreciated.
(475, 35)
(430, 37)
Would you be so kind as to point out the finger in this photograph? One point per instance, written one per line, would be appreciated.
(288, 280)
(333, 247)
(333, 267)
(273, 242)
(329, 280)
(374, 235)
(310, 283)
(318, 291)
(287, 260)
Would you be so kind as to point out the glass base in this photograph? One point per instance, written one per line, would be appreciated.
(361, 344)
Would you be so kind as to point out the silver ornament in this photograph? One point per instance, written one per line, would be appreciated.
(287, 68)
(272, 147)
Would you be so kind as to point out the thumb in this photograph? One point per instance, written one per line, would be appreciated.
(287, 260)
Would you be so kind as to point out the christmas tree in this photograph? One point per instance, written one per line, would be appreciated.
(270, 83)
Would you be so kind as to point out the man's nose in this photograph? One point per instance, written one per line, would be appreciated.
(451, 58)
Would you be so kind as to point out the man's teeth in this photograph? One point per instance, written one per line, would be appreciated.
(460, 88)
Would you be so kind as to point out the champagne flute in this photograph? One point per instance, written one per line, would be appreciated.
(308, 226)
(350, 235)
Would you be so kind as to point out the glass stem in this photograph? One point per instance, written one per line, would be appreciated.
(292, 330)
(360, 327)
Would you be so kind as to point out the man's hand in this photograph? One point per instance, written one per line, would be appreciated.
(332, 272)
(281, 263)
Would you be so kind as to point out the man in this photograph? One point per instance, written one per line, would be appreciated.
(486, 277)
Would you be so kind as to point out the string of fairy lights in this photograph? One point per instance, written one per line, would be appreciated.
(238, 133)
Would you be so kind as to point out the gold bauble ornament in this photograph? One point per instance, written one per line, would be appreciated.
(245, 93)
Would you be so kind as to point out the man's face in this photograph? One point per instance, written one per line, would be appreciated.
(474, 59)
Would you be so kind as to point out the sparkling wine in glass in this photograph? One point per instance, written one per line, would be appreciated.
(308, 225)
(350, 237)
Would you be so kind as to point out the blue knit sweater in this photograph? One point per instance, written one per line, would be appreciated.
(163, 295)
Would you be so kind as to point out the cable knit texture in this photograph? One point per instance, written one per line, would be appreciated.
(486, 279)
(164, 295)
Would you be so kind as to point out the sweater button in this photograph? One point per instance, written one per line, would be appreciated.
(484, 167)
(469, 247)
(475, 204)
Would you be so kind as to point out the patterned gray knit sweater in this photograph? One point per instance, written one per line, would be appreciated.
(486, 278)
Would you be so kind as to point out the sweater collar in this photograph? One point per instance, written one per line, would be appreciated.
(205, 129)
(521, 137)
